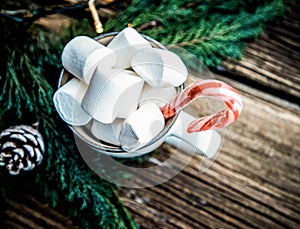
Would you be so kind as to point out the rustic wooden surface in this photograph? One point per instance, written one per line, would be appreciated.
(254, 181)
(25, 211)
(272, 63)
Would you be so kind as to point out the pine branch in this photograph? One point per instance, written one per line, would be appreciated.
(64, 180)
(212, 30)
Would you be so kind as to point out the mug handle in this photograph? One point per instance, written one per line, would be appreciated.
(205, 142)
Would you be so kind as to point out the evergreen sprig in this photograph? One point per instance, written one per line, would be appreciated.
(212, 30)
(63, 180)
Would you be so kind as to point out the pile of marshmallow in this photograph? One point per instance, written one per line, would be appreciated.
(118, 89)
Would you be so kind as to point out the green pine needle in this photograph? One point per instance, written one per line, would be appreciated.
(64, 180)
(212, 30)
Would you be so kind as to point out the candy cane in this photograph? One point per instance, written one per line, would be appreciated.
(203, 88)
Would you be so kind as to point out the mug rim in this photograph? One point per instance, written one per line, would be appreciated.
(110, 149)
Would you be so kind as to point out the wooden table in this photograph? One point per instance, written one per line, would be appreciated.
(254, 181)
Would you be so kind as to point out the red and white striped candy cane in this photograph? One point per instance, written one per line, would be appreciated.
(203, 88)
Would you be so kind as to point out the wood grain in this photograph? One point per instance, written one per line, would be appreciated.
(272, 62)
(254, 181)
(24, 211)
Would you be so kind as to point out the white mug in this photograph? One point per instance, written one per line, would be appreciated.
(174, 133)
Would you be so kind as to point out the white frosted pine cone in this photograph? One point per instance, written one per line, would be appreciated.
(21, 148)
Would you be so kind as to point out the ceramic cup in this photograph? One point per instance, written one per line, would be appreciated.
(174, 133)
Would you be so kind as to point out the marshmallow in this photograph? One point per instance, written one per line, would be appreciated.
(159, 96)
(100, 79)
(82, 55)
(125, 45)
(159, 67)
(116, 99)
(108, 132)
(141, 126)
(67, 100)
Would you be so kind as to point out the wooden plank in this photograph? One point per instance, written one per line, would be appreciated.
(253, 183)
(272, 62)
(27, 212)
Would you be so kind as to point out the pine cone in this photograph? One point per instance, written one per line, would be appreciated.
(21, 148)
